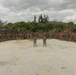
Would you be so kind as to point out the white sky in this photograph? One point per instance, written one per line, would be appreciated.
(23, 10)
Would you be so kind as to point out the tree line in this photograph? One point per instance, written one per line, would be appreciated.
(43, 24)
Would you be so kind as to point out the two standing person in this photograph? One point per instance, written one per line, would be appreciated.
(35, 40)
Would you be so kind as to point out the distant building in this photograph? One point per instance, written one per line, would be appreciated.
(56, 22)
(1, 23)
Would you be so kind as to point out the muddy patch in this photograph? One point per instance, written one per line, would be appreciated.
(3, 63)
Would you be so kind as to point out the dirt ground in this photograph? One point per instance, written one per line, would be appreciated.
(19, 57)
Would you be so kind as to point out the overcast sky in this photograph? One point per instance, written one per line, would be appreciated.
(23, 10)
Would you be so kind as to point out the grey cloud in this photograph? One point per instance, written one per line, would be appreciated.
(42, 4)
(16, 10)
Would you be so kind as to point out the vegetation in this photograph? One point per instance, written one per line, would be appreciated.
(42, 24)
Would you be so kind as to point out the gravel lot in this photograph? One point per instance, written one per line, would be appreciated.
(19, 57)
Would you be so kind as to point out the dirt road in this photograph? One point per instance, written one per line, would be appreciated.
(19, 57)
